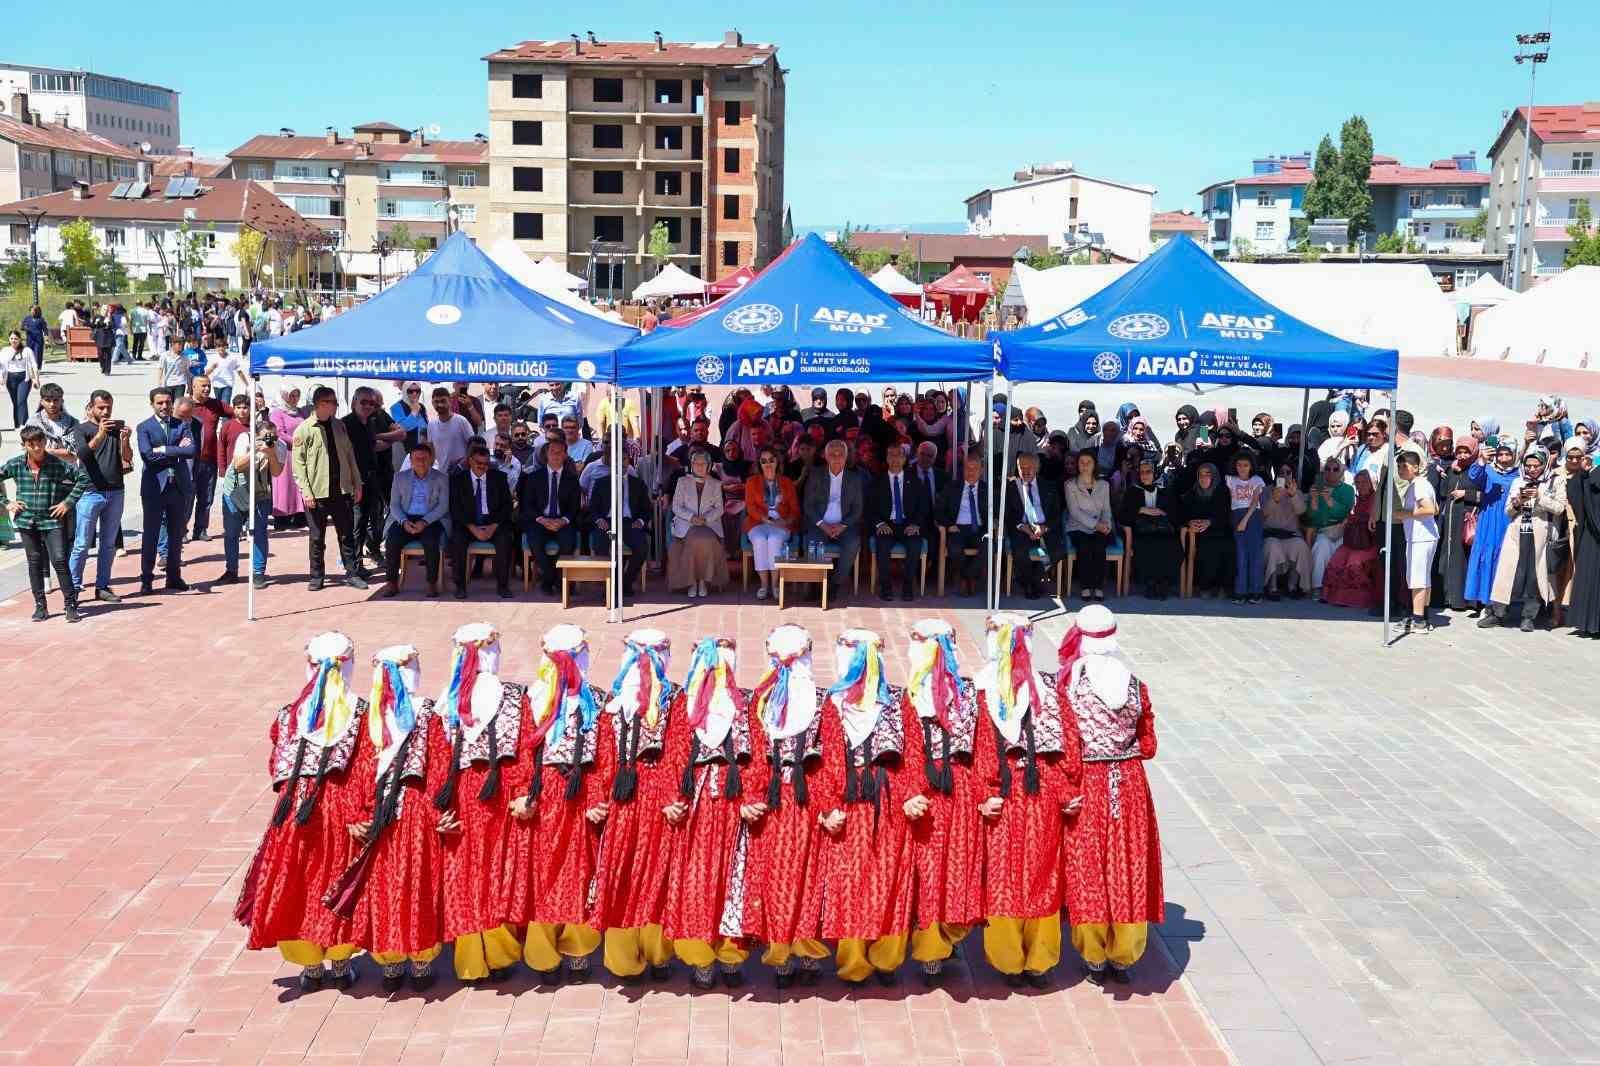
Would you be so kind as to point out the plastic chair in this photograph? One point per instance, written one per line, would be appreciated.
(551, 548)
(897, 552)
(944, 554)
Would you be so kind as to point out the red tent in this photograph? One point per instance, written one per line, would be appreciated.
(737, 280)
(965, 291)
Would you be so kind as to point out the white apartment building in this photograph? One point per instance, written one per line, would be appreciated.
(129, 113)
(1068, 207)
(1562, 175)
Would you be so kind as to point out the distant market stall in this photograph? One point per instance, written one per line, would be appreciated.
(964, 291)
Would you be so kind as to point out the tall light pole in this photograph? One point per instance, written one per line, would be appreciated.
(1533, 59)
(33, 215)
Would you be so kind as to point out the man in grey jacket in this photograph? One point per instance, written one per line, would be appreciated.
(419, 509)
(832, 511)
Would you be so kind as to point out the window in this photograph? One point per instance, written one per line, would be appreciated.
(730, 112)
(19, 233)
(608, 182)
(608, 90)
(116, 237)
(1456, 198)
(208, 241)
(730, 253)
(432, 175)
(527, 179)
(527, 132)
(608, 136)
(730, 160)
(153, 238)
(1572, 207)
(669, 92)
(669, 137)
(467, 212)
(388, 208)
(466, 179)
(256, 172)
(298, 170)
(1264, 198)
(730, 206)
(1582, 160)
(608, 228)
(1452, 231)
(1415, 199)
(527, 226)
(527, 86)
(1427, 198)
(669, 182)
(674, 228)
(1264, 231)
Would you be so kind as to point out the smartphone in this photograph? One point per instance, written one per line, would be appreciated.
(1281, 482)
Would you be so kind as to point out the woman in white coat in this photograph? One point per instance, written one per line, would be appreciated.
(696, 558)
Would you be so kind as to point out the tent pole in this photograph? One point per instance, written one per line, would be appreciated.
(1305, 431)
(988, 469)
(1388, 509)
(998, 489)
(250, 519)
(618, 468)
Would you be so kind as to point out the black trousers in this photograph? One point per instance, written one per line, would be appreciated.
(339, 511)
(171, 509)
(371, 515)
(1089, 564)
(461, 538)
(105, 361)
(48, 547)
(883, 547)
(397, 538)
(138, 345)
(1525, 582)
(566, 540)
(967, 567)
(1031, 571)
(637, 542)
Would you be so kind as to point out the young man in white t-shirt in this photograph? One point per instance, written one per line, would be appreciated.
(1422, 537)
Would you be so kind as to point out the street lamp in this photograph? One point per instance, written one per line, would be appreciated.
(33, 215)
(1540, 54)
(382, 247)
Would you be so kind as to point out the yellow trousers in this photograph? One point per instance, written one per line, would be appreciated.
(548, 944)
(1119, 943)
(629, 951)
(492, 949)
(701, 953)
(779, 954)
(395, 958)
(305, 953)
(1014, 945)
(855, 959)
(937, 942)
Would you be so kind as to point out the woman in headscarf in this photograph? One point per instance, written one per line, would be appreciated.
(1523, 572)
(1204, 510)
(1482, 430)
(1147, 509)
(696, 558)
(1141, 439)
(1351, 576)
(1583, 496)
(1188, 420)
(1126, 414)
(1085, 434)
(1330, 503)
(1589, 432)
(1458, 481)
(1108, 450)
(288, 509)
(1493, 520)
(1550, 419)
(734, 471)
(1317, 429)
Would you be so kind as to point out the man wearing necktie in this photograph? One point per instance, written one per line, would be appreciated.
(925, 468)
(962, 511)
(901, 514)
(480, 513)
(547, 511)
(635, 526)
(1033, 520)
(167, 446)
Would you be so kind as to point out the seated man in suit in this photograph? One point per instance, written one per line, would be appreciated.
(419, 509)
(832, 510)
(902, 513)
(636, 515)
(961, 511)
(548, 511)
(1032, 519)
(925, 469)
(480, 512)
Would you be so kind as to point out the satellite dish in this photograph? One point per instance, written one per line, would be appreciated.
(144, 146)
(266, 268)
(334, 172)
(434, 129)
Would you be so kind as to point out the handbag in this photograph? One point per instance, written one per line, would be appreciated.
(1469, 528)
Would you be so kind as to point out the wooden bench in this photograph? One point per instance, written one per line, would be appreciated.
(804, 571)
(584, 569)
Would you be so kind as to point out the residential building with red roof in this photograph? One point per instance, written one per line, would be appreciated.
(39, 157)
(1165, 225)
(593, 143)
(1561, 175)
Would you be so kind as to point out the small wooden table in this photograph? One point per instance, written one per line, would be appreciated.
(583, 570)
(804, 571)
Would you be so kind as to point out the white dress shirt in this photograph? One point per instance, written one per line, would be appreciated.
(834, 514)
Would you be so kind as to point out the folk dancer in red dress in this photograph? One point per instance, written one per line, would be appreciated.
(704, 913)
(946, 828)
(309, 841)
(481, 745)
(1112, 856)
(647, 814)
(1030, 771)
(783, 901)
(392, 889)
(576, 770)
(867, 895)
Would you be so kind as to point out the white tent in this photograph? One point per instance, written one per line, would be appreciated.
(672, 281)
(1047, 293)
(894, 283)
(552, 265)
(1386, 305)
(1484, 292)
(1555, 323)
(514, 261)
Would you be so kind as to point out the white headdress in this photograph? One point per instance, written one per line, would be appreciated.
(640, 688)
(861, 692)
(1008, 681)
(786, 696)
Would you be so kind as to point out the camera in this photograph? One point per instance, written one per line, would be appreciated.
(266, 433)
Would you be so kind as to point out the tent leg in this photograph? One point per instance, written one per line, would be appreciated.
(250, 518)
(1305, 431)
(988, 467)
(1388, 512)
(619, 473)
(998, 490)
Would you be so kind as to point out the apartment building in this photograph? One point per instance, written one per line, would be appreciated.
(1074, 210)
(39, 157)
(592, 143)
(126, 112)
(1561, 176)
(1165, 225)
(360, 186)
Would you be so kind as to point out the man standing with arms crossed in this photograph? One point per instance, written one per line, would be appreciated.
(325, 471)
(166, 445)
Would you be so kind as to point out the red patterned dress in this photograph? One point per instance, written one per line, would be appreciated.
(948, 841)
(637, 845)
(783, 898)
(1112, 858)
(577, 770)
(517, 891)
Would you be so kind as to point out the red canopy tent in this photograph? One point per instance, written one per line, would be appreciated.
(733, 282)
(965, 291)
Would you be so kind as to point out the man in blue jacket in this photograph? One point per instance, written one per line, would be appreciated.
(167, 445)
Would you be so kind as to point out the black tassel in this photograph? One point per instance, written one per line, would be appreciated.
(852, 785)
(446, 796)
(575, 779)
(929, 770)
(626, 782)
(775, 782)
(491, 780)
(309, 804)
(1030, 776)
(732, 785)
(387, 799)
(948, 776)
(869, 774)
(802, 793)
(686, 783)
(280, 813)
(536, 785)
(1005, 766)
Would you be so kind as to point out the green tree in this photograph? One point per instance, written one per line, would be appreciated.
(1044, 260)
(83, 262)
(247, 250)
(1355, 168)
(871, 260)
(788, 226)
(1477, 226)
(190, 249)
(1243, 250)
(659, 246)
(845, 243)
(1389, 244)
(1322, 196)
(1585, 249)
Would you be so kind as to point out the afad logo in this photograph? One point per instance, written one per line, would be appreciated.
(1240, 327)
(1139, 326)
(839, 320)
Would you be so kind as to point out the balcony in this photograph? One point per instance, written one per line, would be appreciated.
(1216, 212)
(1541, 270)
(1570, 181)
(1557, 232)
(1431, 212)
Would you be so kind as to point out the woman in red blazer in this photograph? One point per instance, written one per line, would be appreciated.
(771, 515)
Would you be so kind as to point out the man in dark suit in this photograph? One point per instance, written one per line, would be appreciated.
(635, 526)
(902, 513)
(548, 505)
(832, 511)
(925, 468)
(480, 513)
(167, 445)
(960, 510)
(1033, 519)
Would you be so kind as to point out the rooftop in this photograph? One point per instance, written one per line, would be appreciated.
(1040, 176)
(731, 51)
(174, 166)
(61, 138)
(291, 146)
(1386, 170)
(38, 68)
(219, 200)
(948, 247)
(1177, 222)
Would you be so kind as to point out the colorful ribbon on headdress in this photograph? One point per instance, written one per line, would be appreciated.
(1072, 646)
(772, 691)
(863, 679)
(939, 668)
(390, 713)
(456, 707)
(709, 675)
(324, 704)
(562, 684)
(652, 682)
(1013, 671)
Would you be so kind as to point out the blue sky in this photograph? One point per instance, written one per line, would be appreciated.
(897, 112)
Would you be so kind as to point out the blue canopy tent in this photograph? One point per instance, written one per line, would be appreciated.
(1179, 318)
(458, 317)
